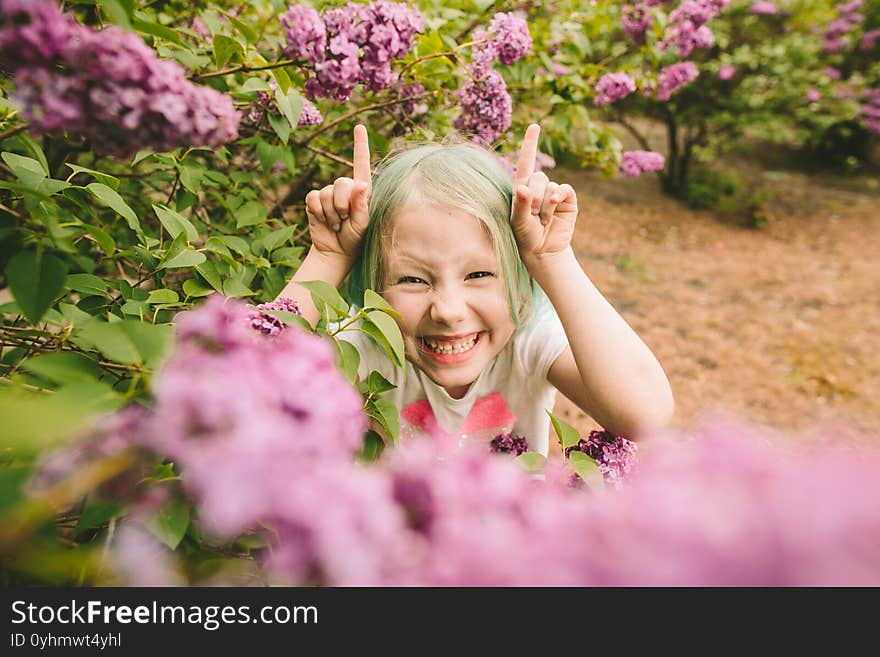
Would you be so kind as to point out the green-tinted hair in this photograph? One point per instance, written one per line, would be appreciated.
(460, 175)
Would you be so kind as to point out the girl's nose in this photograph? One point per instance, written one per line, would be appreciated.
(448, 307)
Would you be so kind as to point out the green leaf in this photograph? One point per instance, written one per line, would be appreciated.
(111, 199)
(390, 332)
(97, 514)
(250, 213)
(103, 238)
(290, 104)
(249, 33)
(152, 341)
(282, 78)
(155, 29)
(63, 367)
(193, 288)
(567, 434)
(387, 415)
(280, 125)
(175, 223)
(237, 244)
(232, 287)
(117, 13)
(35, 279)
(35, 150)
(377, 384)
(587, 469)
(209, 272)
(28, 170)
(271, 241)
(225, 48)
(373, 447)
(104, 178)
(110, 339)
(186, 258)
(531, 461)
(163, 295)
(289, 318)
(374, 300)
(191, 176)
(87, 284)
(349, 359)
(170, 522)
(325, 296)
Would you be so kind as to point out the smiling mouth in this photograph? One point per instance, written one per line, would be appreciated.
(450, 347)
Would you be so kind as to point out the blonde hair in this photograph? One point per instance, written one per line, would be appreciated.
(459, 175)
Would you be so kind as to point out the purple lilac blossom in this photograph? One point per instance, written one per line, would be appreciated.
(612, 87)
(615, 455)
(486, 107)
(483, 53)
(869, 39)
(871, 110)
(635, 163)
(813, 95)
(838, 32)
(687, 29)
(832, 72)
(763, 8)
(674, 77)
(507, 443)
(233, 408)
(726, 72)
(511, 37)
(350, 45)
(107, 85)
(637, 18)
(269, 324)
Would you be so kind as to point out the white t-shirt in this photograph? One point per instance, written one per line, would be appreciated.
(511, 395)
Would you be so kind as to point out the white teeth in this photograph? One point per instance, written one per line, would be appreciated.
(451, 347)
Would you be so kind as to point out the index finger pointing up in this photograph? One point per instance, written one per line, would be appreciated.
(525, 165)
(361, 155)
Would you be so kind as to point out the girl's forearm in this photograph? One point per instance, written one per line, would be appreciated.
(626, 384)
(315, 267)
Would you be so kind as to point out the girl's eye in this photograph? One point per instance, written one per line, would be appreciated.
(479, 274)
(409, 279)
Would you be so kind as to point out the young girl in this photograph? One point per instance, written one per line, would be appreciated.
(497, 314)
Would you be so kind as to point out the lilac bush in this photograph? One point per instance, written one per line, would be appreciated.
(635, 163)
(107, 85)
(350, 45)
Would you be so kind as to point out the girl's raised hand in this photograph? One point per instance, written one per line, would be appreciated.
(339, 213)
(544, 213)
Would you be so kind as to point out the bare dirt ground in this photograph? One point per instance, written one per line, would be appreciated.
(779, 326)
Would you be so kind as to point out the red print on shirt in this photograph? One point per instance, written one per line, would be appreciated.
(489, 417)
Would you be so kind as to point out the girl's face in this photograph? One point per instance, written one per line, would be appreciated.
(443, 277)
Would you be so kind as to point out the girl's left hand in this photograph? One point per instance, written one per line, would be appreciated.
(544, 213)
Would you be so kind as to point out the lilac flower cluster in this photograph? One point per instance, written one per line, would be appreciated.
(763, 8)
(674, 77)
(726, 72)
(107, 85)
(507, 443)
(615, 455)
(637, 18)
(635, 163)
(233, 408)
(687, 29)
(269, 324)
(350, 45)
(510, 36)
(612, 87)
(486, 107)
(837, 31)
(871, 110)
(263, 432)
(869, 39)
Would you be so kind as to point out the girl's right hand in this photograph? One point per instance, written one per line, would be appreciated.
(339, 213)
